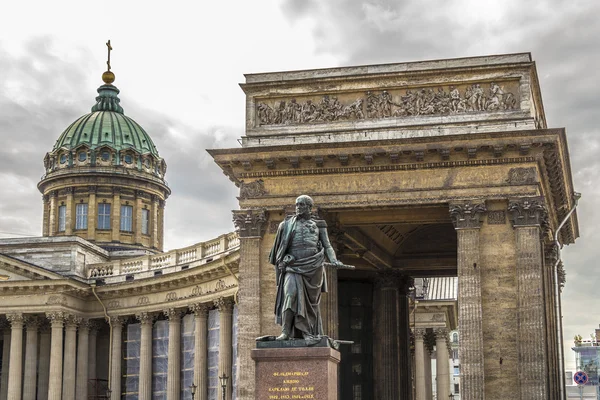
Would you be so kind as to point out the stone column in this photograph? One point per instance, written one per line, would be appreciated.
(161, 225)
(329, 300)
(442, 363)
(225, 307)
(404, 338)
(15, 373)
(528, 214)
(56, 355)
(466, 220)
(145, 380)
(68, 387)
(52, 218)
(81, 385)
(115, 215)
(420, 351)
(550, 257)
(428, 377)
(32, 325)
(69, 220)
(200, 349)
(174, 366)
(386, 368)
(44, 362)
(5, 356)
(251, 226)
(93, 339)
(92, 208)
(115, 354)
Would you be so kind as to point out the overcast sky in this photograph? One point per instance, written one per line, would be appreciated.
(178, 69)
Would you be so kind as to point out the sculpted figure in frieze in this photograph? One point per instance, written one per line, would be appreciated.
(414, 102)
(298, 254)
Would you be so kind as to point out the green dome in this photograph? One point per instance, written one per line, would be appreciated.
(106, 126)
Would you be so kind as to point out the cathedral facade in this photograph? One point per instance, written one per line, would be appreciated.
(443, 171)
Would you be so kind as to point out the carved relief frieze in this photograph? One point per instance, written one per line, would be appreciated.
(521, 176)
(143, 300)
(467, 215)
(56, 299)
(497, 217)
(413, 102)
(250, 223)
(113, 304)
(171, 296)
(197, 291)
(528, 212)
(252, 189)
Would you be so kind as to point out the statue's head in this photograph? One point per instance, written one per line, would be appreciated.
(304, 205)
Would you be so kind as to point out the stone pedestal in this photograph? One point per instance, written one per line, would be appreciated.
(296, 373)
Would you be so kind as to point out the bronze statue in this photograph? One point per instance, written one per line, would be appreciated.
(299, 254)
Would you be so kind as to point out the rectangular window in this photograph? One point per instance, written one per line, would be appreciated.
(187, 355)
(160, 362)
(456, 370)
(62, 218)
(145, 221)
(213, 354)
(81, 212)
(103, 216)
(456, 388)
(131, 362)
(126, 218)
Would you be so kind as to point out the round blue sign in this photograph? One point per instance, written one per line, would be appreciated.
(580, 378)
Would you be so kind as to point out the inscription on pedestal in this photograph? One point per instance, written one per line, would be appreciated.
(296, 373)
(292, 385)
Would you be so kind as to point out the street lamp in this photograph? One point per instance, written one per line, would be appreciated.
(224, 380)
(193, 390)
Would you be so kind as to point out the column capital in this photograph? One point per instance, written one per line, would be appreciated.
(57, 318)
(528, 211)
(441, 333)
(15, 319)
(4, 324)
(145, 318)
(224, 304)
(420, 333)
(250, 223)
(32, 322)
(467, 215)
(392, 279)
(199, 309)
(72, 321)
(94, 326)
(117, 320)
(173, 314)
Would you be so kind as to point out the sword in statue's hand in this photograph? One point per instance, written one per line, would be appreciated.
(338, 265)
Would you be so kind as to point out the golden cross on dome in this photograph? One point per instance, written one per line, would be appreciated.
(109, 49)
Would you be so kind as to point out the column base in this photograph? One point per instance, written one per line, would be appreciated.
(296, 373)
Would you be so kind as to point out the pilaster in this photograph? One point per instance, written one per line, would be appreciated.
(70, 212)
(225, 307)
(466, 218)
(52, 218)
(154, 222)
(115, 215)
(528, 214)
(251, 228)
(200, 349)
(92, 209)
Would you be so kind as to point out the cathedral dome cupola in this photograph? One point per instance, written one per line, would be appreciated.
(108, 153)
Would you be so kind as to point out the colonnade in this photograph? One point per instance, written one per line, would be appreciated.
(423, 370)
(66, 344)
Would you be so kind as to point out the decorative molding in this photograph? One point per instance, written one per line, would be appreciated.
(441, 333)
(467, 215)
(522, 176)
(250, 223)
(252, 189)
(143, 300)
(55, 299)
(392, 279)
(72, 320)
(528, 212)
(446, 100)
(33, 322)
(113, 304)
(496, 217)
(117, 320)
(171, 296)
(420, 333)
(273, 226)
